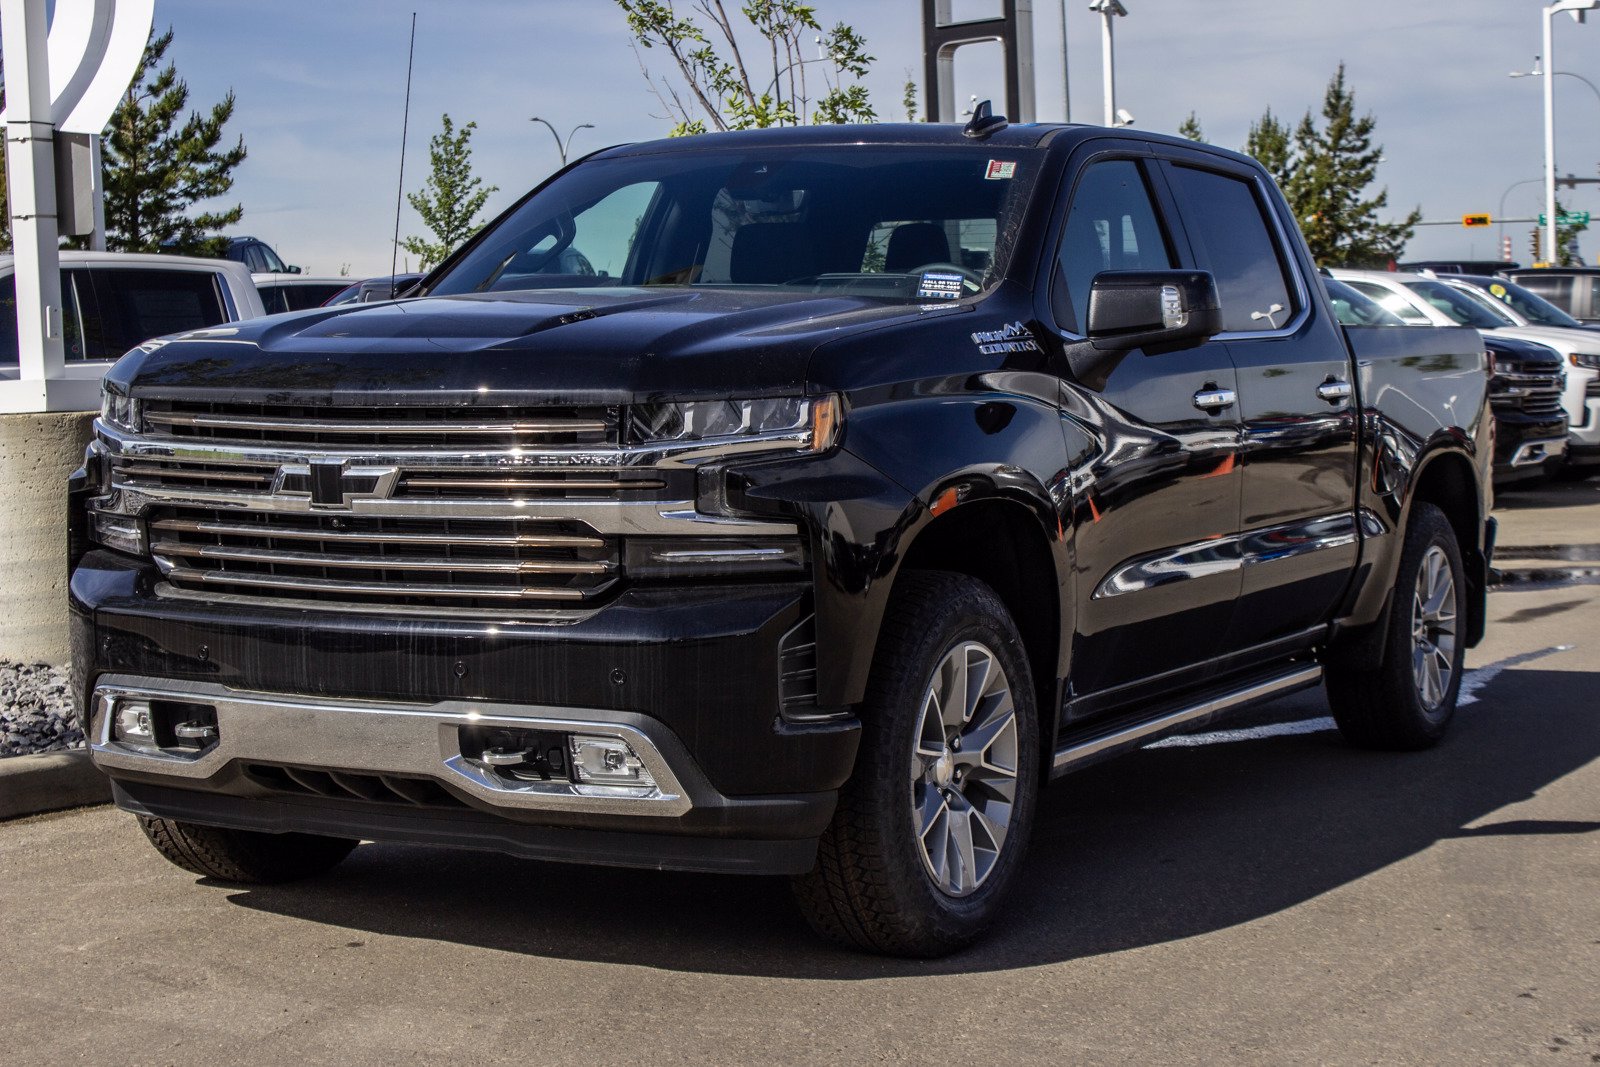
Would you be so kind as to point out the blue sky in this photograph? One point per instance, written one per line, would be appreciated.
(320, 88)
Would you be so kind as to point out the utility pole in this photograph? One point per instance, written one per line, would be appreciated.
(1109, 10)
(562, 147)
(1066, 69)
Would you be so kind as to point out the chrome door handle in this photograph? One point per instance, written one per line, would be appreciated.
(1215, 399)
(1334, 391)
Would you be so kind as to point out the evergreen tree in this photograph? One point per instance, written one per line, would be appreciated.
(158, 164)
(1269, 142)
(1189, 128)
(1567, 238)
(5, 191)
(1331, 170)
(451, 197)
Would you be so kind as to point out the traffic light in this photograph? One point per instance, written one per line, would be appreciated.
(1475, 220)
(1537, 245)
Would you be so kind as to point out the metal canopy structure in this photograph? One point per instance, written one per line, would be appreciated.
(942, 37)
(63, 76)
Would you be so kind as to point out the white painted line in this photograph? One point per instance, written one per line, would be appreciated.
(1471, 683)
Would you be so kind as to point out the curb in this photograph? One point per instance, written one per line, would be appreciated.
(50, 781)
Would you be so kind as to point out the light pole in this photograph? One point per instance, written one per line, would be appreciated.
(1501, 212)
(1576, 8)
(1537, 73)
(1110, 9)
(563, 147)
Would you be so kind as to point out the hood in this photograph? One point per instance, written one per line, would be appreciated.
(1563, 339)
(552, 347)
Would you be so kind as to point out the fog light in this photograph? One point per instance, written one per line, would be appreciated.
(607, 762)
(120, 532)
(134, 723)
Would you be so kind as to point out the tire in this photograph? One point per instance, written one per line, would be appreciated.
(1404, 701)
(878, 884)
(244, 856)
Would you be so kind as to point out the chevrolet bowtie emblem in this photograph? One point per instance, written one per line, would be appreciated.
(332, 484)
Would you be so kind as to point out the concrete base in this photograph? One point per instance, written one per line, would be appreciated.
(50, 781)
(37, 454)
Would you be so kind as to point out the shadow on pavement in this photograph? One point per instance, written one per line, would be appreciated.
(1155, 847)
(1548, 495)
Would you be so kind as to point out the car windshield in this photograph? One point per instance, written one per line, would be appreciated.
(1357, 309)
(1530, 305)
(1458, 306)
(901, 223)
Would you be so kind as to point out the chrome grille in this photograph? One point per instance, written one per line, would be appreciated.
(1531, 393)
(471, 562)
(457, 427)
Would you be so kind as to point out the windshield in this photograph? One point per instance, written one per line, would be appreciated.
(1357, 309)
(911, 224)
(1460, 308)
(1530, 305)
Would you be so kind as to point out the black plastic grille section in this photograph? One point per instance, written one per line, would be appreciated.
(444, 562)
(351, 785)
(456, 427)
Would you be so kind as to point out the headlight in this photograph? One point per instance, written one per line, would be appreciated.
(808, 423)
(1584, 359)
(119, 412)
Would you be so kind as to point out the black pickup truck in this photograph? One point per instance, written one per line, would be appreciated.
(867, 479)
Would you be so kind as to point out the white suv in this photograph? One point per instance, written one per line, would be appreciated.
(112, 301)
(1422, 300)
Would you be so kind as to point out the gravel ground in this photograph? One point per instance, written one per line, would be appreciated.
(35, 710)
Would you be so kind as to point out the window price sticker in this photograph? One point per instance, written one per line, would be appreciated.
(1000, 171)
(939, 285)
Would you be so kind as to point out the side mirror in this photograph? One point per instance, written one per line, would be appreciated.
(294, 270)
(1159, 310)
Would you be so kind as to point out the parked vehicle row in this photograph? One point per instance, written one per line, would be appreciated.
(1498, 308)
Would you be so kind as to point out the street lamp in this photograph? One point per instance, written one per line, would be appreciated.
(1110, 9)
(1537, 73)
(563, 147)
(1577, 9)
(1501, 213)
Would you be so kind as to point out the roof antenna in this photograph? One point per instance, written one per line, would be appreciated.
(405, 128)
(984, 122)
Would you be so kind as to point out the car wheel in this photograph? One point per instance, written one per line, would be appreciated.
(1405, 699)
(930, 830)
(244, 856)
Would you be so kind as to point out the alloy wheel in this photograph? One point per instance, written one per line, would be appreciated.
(964, 769)
(1433, 628)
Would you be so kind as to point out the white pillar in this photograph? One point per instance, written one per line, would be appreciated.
(30, 157)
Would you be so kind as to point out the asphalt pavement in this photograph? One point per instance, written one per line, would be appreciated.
(1269, 896)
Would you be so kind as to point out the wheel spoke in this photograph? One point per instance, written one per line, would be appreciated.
(954, 708)
(933, 805)
(964, 866)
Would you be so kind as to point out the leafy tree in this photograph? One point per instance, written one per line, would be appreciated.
(451, 198)
(1269, 141)
(158, 164)
(1332, 167)
(1189, 128)
(908, 98)
(1567, 239)
(718, 88)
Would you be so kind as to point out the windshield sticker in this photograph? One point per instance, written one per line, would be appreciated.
(1013, 337)
(939, 285)
(1000, 171)
(1498, 290)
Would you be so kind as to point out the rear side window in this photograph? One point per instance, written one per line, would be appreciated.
(136, 305)
(275, 298)
(71, 317)
(1556, 290)
(1228, 227)
(1112, 226)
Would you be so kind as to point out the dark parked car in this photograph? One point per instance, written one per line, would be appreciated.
(1525, 384)
(257, 256)
(1575, 290)
(877, 476)
(370, 289)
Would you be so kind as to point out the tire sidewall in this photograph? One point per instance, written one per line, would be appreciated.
(1429, 528)
(976, 614)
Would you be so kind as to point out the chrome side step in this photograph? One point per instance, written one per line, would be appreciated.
(1075, 753)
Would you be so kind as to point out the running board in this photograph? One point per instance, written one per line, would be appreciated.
(1075, 753)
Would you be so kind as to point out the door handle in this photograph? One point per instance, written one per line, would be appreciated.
(1214, 399)
(1334, 391)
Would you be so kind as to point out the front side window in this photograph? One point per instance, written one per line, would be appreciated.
(859, 219)
(1112, 225)
(1227, 223)
(1393, 302)
(1457, 306)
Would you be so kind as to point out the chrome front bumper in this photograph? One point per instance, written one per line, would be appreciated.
(379, 738)
(1531, 452)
